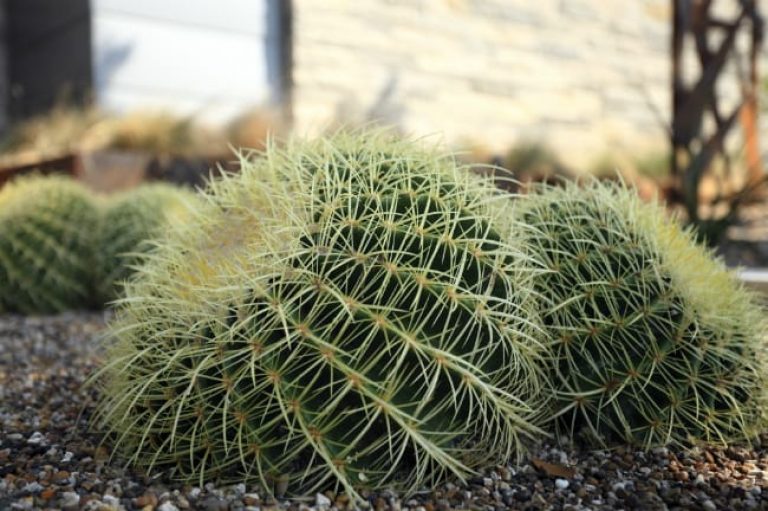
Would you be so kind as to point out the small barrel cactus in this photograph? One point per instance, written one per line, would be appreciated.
(653, 341)
(130, 224)
(380, 332)
(47, 227)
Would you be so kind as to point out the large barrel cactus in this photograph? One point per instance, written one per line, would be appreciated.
(653, 341)
(130, 224)
(380, 330)
(47, 227)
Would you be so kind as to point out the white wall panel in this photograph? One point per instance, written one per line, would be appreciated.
(247, 16)
(212, 58)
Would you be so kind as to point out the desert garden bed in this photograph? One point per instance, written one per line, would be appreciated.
(309, 328)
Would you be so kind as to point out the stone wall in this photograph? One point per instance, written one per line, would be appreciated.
(590, 78)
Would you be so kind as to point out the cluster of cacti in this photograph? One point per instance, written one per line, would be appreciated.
(359, 311)
(130, 224)
(47, 228)
(61, 248)
(653, 342)
(378, 330)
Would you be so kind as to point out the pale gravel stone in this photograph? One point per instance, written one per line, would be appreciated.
(322, 501)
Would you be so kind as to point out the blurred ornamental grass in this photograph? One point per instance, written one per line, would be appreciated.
(68, 129)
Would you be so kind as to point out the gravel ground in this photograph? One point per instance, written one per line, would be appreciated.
(49, 460)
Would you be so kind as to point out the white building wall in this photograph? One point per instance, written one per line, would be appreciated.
(211, 58)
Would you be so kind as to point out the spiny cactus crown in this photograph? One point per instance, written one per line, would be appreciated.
(653, 341)
(130, 224)
(382, 332)
(47, 227)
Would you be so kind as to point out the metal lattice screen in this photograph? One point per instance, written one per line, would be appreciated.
(701, 121)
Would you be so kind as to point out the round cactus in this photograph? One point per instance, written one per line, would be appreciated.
(46, 245)
(653, 341)
(380, 332)
(129, 226)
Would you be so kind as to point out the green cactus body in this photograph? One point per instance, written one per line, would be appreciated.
(129, 226)
(382, 332)
(47, 227)
(653, 341)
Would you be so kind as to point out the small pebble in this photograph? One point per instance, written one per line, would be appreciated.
(251, 499)
(148, 499)
(111, 500)
(37, 438)
(69, 499)
(33, 487)
(214, 503)
(322, 501)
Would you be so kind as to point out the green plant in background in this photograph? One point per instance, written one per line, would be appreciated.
(130, 224)
(58, 131)
(47, 227)
(71, 128)
(379, 329)
(654, 165)
(653, 341)
(529, 160)
(158, 132)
